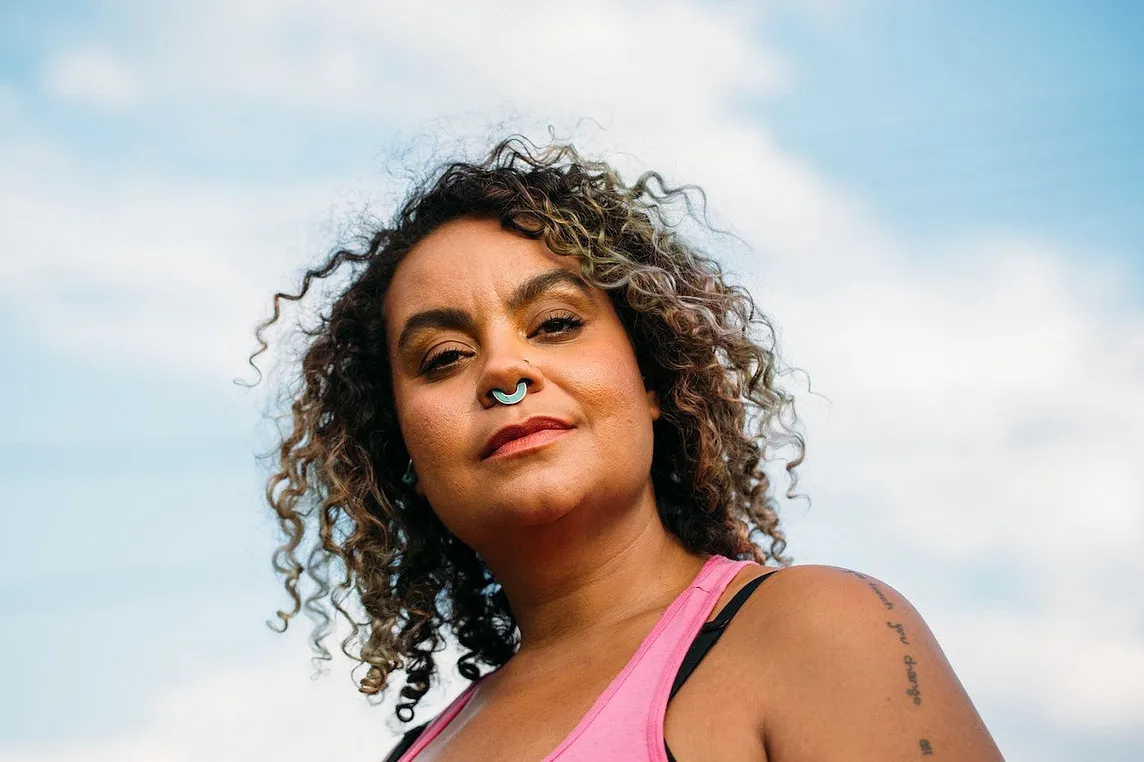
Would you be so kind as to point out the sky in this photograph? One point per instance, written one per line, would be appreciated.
(936, 205)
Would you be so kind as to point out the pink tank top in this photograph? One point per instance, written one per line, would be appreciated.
(626, 722)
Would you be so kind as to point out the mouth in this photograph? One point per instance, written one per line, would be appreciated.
(522, 430)
(528, 443)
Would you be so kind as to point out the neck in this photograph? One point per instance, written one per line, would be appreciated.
(574, 578)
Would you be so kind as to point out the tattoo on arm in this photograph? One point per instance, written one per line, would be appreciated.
(914, 692)
(881, 596)
(912, 676)
(877, 590)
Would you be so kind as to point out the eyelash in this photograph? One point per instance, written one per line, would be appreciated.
(571, 321)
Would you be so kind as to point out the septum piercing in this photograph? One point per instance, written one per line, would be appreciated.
(510, 399)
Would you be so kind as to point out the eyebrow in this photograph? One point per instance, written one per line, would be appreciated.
(459, 319)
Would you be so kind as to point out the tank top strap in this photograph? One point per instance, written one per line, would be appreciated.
(711, 631)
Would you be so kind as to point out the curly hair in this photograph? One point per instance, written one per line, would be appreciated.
(337, 480)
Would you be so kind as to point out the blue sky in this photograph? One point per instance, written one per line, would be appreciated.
(939, 200)
(945, 117)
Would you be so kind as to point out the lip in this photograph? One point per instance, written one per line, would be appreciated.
(521, 430)
(533, 441)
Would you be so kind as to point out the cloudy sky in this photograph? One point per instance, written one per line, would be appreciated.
(939, 203)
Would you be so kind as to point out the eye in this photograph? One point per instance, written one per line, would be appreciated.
(557, 324)
(433, 365)
(569, 321)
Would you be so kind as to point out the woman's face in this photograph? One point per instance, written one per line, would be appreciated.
(481, 325)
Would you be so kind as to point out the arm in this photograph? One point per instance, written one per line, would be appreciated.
(853, 673)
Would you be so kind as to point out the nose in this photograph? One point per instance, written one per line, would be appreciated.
(505, 374)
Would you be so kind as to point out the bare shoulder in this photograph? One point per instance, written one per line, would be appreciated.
(848, 669)
(822, 592)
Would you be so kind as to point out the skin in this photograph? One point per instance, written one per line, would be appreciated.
(809, 669)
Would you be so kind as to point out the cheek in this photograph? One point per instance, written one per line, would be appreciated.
(610, 387)
(428, 424)
(434, 427)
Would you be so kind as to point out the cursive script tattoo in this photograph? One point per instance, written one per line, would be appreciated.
(881, 596)
(927, 750)
(912, 676)
(877, 590)
(901, 631)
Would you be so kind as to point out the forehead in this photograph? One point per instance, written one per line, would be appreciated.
(466, 263)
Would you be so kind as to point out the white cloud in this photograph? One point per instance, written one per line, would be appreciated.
(1081, 671)
(161, 276)
(403, 61)
(1023, 376)
(268, 709)
(93, 78)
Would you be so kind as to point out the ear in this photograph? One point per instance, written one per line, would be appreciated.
(653, 404)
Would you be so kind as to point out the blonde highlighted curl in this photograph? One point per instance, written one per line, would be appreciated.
(337, 483)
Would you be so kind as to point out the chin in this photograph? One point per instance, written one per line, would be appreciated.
(536, 500)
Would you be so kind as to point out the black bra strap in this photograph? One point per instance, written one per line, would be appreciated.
(406, 741)
(711, 632)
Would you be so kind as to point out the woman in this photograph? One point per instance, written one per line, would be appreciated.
(535, 416)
